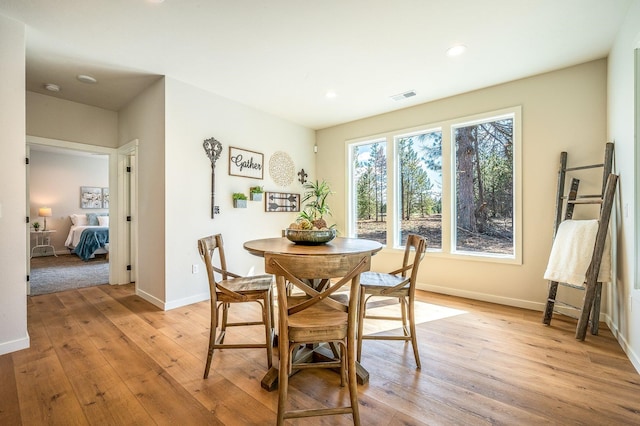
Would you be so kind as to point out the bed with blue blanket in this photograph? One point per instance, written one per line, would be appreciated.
(87, 241)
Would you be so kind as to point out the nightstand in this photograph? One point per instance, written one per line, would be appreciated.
(43, 240)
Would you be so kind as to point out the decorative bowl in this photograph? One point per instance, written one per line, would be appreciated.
(308, 237)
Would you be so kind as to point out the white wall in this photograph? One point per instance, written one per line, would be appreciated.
(13, 198)
(194, 115)
(625, 303)
(171, 120)
(563, 110)
(54, 118)
(144, 119)
(55, 180)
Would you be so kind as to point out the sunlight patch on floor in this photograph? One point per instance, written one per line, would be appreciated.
(425, 312)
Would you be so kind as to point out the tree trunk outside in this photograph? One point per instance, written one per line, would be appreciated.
(464, 160)
(480, 211)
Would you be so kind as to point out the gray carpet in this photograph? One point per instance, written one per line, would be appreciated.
(50, 274)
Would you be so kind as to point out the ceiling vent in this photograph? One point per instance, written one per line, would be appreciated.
(404, 95)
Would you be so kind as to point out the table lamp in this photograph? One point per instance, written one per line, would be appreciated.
(44, 212)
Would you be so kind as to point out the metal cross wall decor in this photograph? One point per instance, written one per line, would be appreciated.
(213, 149)
(303, 176)
(281, 202)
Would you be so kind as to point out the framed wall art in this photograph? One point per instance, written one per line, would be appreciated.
(90, 197)
(105, 198)
(281, 202)
(246, 163)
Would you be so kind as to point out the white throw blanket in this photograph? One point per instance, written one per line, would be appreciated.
(572, 250)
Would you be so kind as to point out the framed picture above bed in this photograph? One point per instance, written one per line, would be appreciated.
(90, 197)
(105, 198)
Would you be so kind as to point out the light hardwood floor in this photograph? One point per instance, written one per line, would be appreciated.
(103, 356)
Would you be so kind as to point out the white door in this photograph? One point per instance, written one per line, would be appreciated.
(127, 185)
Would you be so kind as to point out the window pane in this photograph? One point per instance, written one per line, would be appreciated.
(370, 186)
(420, 187)
(484, 187)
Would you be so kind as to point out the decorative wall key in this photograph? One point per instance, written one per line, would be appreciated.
(213, 149)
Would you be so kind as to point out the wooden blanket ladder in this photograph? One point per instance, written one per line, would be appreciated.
(566, 204)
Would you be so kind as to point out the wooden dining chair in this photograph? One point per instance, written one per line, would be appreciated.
(233, 288)
(317, 315)
(401, 284)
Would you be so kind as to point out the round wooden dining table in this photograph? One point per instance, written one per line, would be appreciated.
(339, 245)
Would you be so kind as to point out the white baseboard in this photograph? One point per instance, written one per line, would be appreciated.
(165, 306)
(187, 301)
(150, 298)
(15, 345)
(633, 357)
(492, 298)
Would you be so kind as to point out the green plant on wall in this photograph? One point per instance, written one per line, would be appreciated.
(239, 196)
(239, 200)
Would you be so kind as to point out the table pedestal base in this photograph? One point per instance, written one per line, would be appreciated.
(318, 354)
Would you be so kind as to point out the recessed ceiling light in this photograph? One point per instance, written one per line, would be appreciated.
(52, 87)
(456, 50)
(86, 79)
(330, 94)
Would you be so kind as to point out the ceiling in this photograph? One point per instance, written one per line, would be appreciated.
(283, 56)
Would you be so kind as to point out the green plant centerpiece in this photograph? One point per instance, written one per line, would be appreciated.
(311, 228)
(36, 226)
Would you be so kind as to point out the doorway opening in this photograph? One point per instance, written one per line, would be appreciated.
(84, 189)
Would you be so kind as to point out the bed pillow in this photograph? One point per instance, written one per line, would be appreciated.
(79, 219)
(93, 218)
(103, 220)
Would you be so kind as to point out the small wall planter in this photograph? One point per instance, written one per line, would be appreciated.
(239, 200)
(255, 193)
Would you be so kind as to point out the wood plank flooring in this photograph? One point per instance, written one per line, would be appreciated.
(103, 356)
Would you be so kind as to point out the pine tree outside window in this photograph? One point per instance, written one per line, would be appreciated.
(369, 194)
(419, 186)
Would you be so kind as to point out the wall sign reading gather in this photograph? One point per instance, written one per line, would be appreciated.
(246, 163)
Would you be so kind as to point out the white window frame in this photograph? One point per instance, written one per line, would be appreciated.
(397, 225)
(448, 184)
(351, 192)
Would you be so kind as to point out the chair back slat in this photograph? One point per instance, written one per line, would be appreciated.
(299, 270)
(312, 266)
(418, 245)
